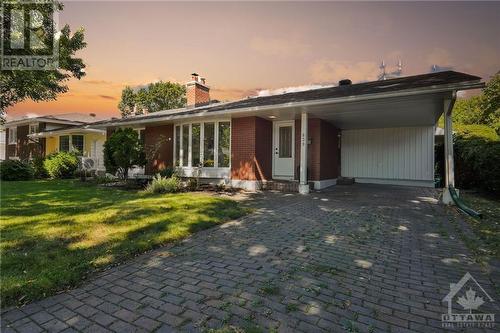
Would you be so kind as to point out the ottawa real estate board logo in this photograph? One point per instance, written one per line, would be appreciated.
(469, 294)
(29, 38)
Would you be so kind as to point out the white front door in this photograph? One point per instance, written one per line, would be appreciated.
(283, 149)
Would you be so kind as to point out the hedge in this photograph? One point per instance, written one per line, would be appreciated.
(16, 170)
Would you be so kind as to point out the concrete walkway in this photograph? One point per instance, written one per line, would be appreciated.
(354, 258)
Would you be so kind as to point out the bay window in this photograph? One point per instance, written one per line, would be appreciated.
(203, 143)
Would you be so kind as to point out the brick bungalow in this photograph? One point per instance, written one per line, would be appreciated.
(374, 132)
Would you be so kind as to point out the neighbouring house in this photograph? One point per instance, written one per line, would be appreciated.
(374, 132)
(40, 136)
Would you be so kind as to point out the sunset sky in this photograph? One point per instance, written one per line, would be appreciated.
(245, 47)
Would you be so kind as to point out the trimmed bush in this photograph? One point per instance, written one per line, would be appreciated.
(164, 185)
(16, 170)
(61, 165)
(477, 164)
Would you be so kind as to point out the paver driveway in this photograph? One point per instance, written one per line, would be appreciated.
(357, 258)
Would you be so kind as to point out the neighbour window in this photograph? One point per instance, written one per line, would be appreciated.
(33, 128)
(142, 136)
(185, 145)
(224, 141)
(177, 145)
(77, 143)
(195, 144)
(208, 145)
(64, 143)
(12, 135)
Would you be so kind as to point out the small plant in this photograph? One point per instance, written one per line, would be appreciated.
(105, 179)
(192, 184)
(61, 165)
(16, 170)
(269, 288)
(291, 307)
(164, 185)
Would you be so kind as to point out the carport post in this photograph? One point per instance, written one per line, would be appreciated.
(303, 185)
(448, 149)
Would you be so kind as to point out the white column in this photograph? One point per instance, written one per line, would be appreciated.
(303, 186)
(448, 151)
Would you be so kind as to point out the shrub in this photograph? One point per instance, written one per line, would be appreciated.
(61, 165)
(167, 172)
(122, 151)
(105, 179)
(477, 164)
(164, 185)
(38, 167)
(16, 170)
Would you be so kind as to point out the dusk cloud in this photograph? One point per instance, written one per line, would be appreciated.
(332, 71)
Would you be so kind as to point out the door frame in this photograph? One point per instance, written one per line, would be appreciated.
(276, 125)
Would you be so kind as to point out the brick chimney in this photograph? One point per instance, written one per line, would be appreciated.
(197, 92)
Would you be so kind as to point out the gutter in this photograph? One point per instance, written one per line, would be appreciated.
(337, 100)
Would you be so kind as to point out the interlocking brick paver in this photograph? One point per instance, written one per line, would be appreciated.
(367, 258)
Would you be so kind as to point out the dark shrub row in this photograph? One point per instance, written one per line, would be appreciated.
(58, 165)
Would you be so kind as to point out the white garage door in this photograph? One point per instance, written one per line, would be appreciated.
(401, 156)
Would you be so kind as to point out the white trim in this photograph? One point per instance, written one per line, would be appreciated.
(276, 125)
(322, 184)
(66, 131)
(205, 172)
(12, 140)
(401, 182)
(45, 120)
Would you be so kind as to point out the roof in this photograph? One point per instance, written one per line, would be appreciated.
(67, 118)
(436, 80)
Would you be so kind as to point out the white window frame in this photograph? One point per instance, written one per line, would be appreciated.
(70, 142)
(208, 172)
(12, 138)
(34, 125)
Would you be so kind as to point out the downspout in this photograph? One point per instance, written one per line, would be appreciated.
(451, 184)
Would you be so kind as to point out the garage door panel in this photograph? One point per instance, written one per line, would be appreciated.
(403, 153)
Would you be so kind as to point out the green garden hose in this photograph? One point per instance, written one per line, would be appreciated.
(461, 205)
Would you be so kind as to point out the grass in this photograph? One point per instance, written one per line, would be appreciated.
(54, 233)
(487, 228)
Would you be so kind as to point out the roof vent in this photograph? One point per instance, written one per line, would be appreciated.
(345, 82)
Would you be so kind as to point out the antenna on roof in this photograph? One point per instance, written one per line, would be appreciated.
(384, 75)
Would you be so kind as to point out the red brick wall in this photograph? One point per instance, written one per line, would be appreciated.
(263, 149)
(25, 148)
(251, 148)
(323, 151)
(158, 142)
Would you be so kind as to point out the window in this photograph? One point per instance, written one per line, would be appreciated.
(224, 141)
(208, 145)
(34, 128)
(195, 144)
(64, 143)
(12, 135)
(285, 142)
(142, 136)
(185, 145)
(77, 143)
(177, 145)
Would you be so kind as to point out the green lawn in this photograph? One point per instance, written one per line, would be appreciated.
(54, 233)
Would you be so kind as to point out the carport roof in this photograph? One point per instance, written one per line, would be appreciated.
(450, 79)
